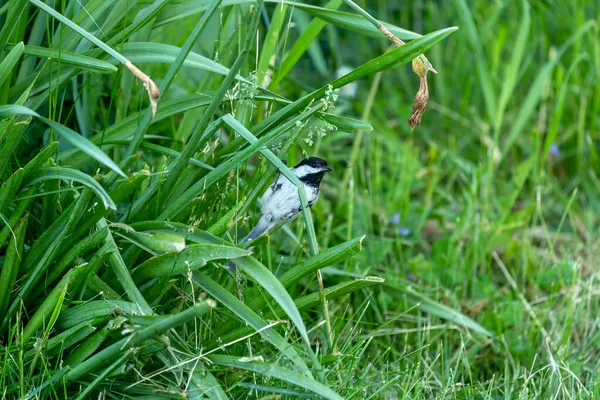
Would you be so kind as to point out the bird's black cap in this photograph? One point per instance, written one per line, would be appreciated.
(314, 162)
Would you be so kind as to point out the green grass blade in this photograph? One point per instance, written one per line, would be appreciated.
(96, 309)
(536, 89)
(119, 362)
(11, 21)
(355, 23)
(128, 344)
(10, 61)
(68, 174)
(276, 371)
(269, 46)
(78, 29)
(122, 272)
(89, 347)
(12, 261)
(559, 109)
(150, 52)
(75, 139)
(189, 259)
(344, 123)
(67, 58)
(250, 317)
(22, 205)
(11, 144)
(301, 45)
(486, 82)
(334, 292)
(176, 64)
(513, 68)
(434, 308)
(44, 314)
(262, 276)
(65, 339)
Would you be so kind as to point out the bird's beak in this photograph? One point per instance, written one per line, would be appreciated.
(327, 169)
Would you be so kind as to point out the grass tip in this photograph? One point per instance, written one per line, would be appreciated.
(211, 303)
(360, 242)
(373, 279)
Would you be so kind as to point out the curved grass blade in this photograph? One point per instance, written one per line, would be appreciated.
(331, 256)
(536, 89)
(228, 334)
(354, 23)
(189, 259)
(351, 22)
(152, 52)
(338, 290)
(434, 308)
(48, 311)
(96, 309)
(276, 371)
(262, 276)
(186, 231)
(137, 339)
(122, 272)
(344, 123)
(250, 317)
(65, 340)
(75, 139)
(9, 62)
(72, 59)
(12, 261)
(68, 174)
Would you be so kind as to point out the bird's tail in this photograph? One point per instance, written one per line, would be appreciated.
(260, 229)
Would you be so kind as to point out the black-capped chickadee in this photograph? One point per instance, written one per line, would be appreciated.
(281, 202)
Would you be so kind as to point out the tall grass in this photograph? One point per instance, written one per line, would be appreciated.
(454, 261)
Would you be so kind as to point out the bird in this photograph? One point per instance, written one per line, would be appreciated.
(281, 202)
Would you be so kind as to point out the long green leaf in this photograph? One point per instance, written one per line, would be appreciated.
(67, 58)
(351, 22)
(176, 64)
(127, 344)
(536, 89)
(75, 139)
(151, 52)
(250, 317)
(512, 70)
(300, 46)
(276, 371)
(68, 174)
(434, 308)
(262, 276)
(10, 61)
(189, 259)
(12, 261)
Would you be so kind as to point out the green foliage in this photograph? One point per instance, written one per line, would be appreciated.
(458, 260)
